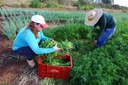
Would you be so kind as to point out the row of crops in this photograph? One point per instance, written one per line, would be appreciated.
(17, 18)
(107, 65)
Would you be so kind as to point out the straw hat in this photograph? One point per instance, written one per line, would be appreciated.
(39, 19)
(93, 16)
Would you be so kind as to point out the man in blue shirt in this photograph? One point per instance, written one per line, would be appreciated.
(27, 40)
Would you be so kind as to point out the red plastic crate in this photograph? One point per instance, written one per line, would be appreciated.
(61, 72)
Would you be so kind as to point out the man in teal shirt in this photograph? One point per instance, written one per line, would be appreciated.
(106, 23)
(27, 40)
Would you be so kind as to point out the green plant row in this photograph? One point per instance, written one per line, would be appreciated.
(49, 15)
(15, 19)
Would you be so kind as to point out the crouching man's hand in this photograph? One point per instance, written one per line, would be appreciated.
(94, 43)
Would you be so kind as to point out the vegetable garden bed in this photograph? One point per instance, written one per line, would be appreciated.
(107, 65)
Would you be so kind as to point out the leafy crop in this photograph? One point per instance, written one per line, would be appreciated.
(55, 57)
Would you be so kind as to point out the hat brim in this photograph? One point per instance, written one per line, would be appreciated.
(96, 18)
(44, 25)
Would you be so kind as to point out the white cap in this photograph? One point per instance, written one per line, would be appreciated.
(39, 19)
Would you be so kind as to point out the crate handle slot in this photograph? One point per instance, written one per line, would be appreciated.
(54, 71)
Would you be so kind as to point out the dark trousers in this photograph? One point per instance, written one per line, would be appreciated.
(26, 51)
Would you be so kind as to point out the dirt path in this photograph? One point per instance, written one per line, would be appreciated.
(9, 70)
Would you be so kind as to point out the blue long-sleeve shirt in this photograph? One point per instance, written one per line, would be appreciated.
(27, 38)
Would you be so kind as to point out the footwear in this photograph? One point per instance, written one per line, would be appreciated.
(31, 63)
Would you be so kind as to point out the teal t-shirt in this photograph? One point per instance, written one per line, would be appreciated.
(27, 38)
